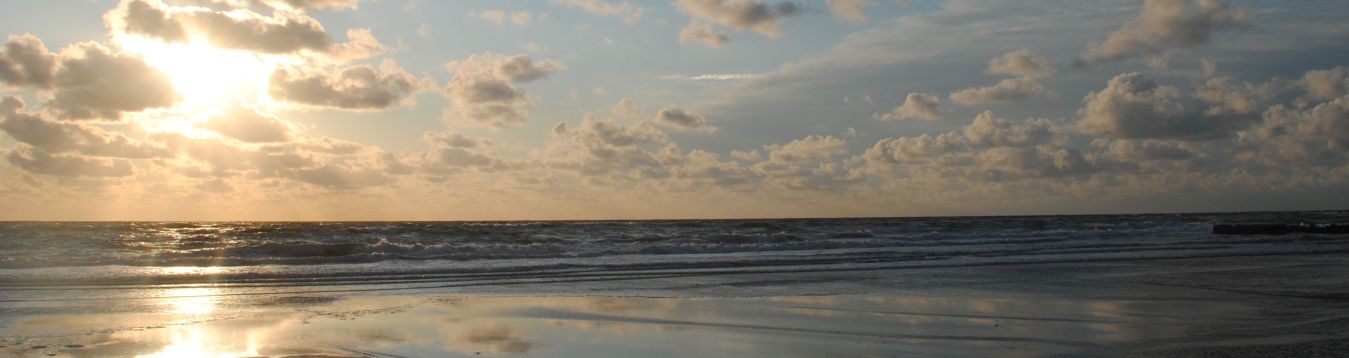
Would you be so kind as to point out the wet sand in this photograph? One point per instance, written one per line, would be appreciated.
(1212, 307)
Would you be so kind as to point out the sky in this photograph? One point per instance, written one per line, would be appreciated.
(627, 109)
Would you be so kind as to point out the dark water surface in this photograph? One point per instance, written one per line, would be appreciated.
(111, 253)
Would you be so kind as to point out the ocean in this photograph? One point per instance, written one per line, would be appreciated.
(286, 253)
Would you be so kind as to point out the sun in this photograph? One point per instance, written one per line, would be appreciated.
(208, 79)
(206, 76)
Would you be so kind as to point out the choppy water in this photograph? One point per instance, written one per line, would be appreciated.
(111, 253)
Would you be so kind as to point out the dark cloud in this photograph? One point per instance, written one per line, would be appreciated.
(25, 62)
(62, 137)
(683, 120)
(1164, 25)
(521, 68)
(358, 87)
(1134, 107)
(483, 89)
(95, 83)
(450, 151)
(341, 177)
(1139, 151)
(237, 29)
(744, 15)
(602, 147)
(38, 161)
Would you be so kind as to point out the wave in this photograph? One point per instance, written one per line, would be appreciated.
(53, 251)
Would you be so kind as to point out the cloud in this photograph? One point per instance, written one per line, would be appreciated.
(1165, 25)
(297, 5)
(1027, 65)
(627, 11)
(750, 156)
(64, 137)
(911, 150)
(38, 161)
(601, 147)
(1318, 135)
(322, 162)
(487, 101)
(987, 132)
(989, 148)
(340, 177)
(1007, 90)
(316, 4)
(1323, 84)
(357, 87)
(361, 44)
(916, 106)
(1021, 63)
(236, 29)
(520, 68)
(714, 77)
(483, 89)
(25, 62)
(93, 83)
(743, 15)
(626, 108)
(702, 34)
(246, 124)
(450, 151)
(1225, 97)
(1140, 151)
(813, 147)
(518, 18)
(679, 119)
(498, 16)
(850, 10)
(1134, 107)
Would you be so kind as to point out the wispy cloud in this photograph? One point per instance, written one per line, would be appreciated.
(714, 77)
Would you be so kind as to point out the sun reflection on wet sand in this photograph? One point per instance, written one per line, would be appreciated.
(200, 322)
(191, 301)
(194, 338)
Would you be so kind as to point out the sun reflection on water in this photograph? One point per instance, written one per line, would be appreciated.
(191, 301)
(197, 340)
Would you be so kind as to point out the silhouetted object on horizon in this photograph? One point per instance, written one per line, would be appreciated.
(1278, 229)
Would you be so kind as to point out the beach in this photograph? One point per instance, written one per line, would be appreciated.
(1270, 305)
(674, 178)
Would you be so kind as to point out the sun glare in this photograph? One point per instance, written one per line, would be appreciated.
(207, 78)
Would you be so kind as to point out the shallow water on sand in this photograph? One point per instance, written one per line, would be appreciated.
(451, 325)
(1179, 307)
